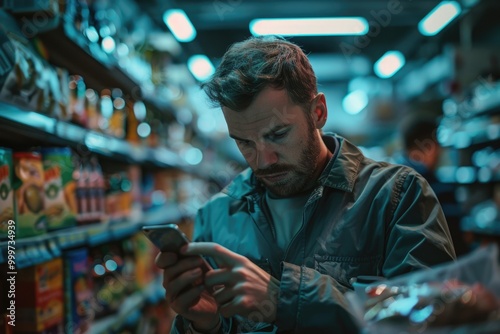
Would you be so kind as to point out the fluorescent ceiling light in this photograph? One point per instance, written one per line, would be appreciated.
(310, 26)
(108, 44)
(192, 155)
(180, 25)
(389, 64)
(201, 67)
(355, 102)
(439, 17)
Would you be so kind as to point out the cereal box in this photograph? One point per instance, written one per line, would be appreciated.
(7, 209)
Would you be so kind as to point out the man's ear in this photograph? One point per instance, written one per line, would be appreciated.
(319, 111)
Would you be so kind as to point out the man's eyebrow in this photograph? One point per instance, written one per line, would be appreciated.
(276, 128)
(237, 138)
(271, 131)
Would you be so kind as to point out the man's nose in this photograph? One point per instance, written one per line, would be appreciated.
(266, 156)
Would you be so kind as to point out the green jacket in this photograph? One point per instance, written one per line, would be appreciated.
(363, 218)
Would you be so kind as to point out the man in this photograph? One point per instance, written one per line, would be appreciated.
(421, 151)
(291, 233)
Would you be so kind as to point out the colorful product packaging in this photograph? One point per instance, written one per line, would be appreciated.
(7, 208)
(59, 186)
(78, 291)
(29, 194)
(110, 285)
(144, 261)
(39, 297)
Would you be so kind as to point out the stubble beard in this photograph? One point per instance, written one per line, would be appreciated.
(301, 178)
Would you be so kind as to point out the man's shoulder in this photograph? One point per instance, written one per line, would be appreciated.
(353, 162)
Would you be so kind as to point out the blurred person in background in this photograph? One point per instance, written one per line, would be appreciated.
(290, 234)
(422, 151)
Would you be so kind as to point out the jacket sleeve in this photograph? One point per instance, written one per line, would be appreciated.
(417, 236)
(306, 296)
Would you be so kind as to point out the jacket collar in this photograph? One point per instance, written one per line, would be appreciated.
(340, 172)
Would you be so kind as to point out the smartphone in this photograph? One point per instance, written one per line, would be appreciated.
(169, 238)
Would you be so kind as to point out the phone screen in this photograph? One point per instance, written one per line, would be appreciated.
(167, 238)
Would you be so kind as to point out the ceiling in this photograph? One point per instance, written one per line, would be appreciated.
(339, 59)
(393, 24)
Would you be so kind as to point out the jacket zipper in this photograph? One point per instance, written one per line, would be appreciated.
(313, 202)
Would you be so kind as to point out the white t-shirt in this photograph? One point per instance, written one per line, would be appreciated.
(287, 216)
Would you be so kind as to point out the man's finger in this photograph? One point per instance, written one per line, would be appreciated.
(181, 266)
(188, 298)
(165, 259)
(181, 283)
(219, 277)
(222, 256)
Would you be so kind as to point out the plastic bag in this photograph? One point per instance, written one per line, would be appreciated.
(480, 266)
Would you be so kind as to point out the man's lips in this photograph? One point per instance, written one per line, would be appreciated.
(273, 177)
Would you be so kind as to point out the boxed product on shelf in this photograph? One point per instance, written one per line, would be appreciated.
(39, 297)
(156, 318)
(145, 268)
(62, 110)
(60, 197)
(135, 113)
(147, 190)
(117, 122)
(77, 291)
(93, 112)
(110, 286)
(127, 269)
(166, 183)
(27, 80)
(7, 209)
(135, 177)
(3, 301)
(118, 196)
(114, 112)
(29, 194)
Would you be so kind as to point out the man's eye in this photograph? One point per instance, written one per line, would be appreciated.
(243, 142)
(278, 135)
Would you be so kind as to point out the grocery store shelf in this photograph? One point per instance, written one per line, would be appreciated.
(487, 103)
(462, 139)
(467, 174)
(158, 215)
(68, 49)
(38, 249)
(34, 125)
(471, 224)
(483, 218)
(133, 303)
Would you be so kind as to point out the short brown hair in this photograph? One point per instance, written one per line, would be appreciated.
(415, 129)
(250, 66)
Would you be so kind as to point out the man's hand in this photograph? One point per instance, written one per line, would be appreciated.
(185, 294)
(241, 287)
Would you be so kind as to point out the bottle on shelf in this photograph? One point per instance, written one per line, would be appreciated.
(117, 120)
(96, 180)
(81, 177)
(77, 100)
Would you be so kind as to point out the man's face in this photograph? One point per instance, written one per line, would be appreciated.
(279, 142)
